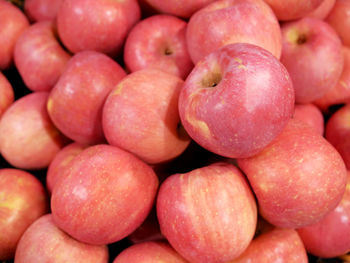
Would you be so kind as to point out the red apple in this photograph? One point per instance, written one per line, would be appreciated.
(293, 9)
(75, 103)
(38, 56)
(298, 178)
(312, 54)
(61, 161)
(208, 214)
(150, 95)
(330, 236)
(22, 201)
(232, 21)
(12, 23)
(100, 25)
(322, 11)
(338, 132)
(6, 94)
(278, 245)
(311, 115)
(149, 252)
(158, 42)
(28, 138)
(236, 100)
(53, 245)
(339, 19)
(106, 194)
(41, 10)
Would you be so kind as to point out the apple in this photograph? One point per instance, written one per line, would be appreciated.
(338, 132)
(41, 10)
(236, 100)
(232, 21)
(311, 115)
(298, 178)
(12, 23)
(329, 237)
(60, 162)
(312, 54)
(76, 101)
(28, 138)
(38, 56)
(22, 201)
(158, 42)
(208, 214)
(106, 194)
(323, 10)
(150, 95)
(53, 245)
(277, 245)
(149, 252)
(293, 9)
(339, 19)
(7, 95)
(99, 25)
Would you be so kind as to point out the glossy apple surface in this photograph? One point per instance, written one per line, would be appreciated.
(323, 10)
(311, 115)
(6, 94)
(22, 201)
(42, 10)
(105, 196)
(208, 214)
(339, 19)
(236, 100)
(298, 178)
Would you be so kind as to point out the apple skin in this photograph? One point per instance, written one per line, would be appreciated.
(280, 245)
(53, 245)
(60, 162)
(340, 94)
(41, 10)
(28, 138)
(339, 19)
(103, 178)
(22, 201)
(338, 132)
(298, 178)
(330, 236)
(76, 101)
(311, 115)
(323, 10)
(149, 252)
(150, 95)
(102, 25)
(158, 42)
(211, 27)
(208, 214)
(7, 95)
(293, 9)
(312, 54)
(38, 56)
(13, 22)
(236, 100)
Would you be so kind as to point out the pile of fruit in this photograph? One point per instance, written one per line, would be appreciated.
(174, 131)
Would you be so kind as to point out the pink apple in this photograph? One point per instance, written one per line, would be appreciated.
(232, 21)
(208, 214)
(6, 94)
(75, 103)
(293, 9)
(158, 42)
(236, 100)
(50, 244)
(28, 138)
(150, 95)
(100, 25)
(106, 194)
(39, 57)
(312, 54)
(22, 201)
(311, 115)
(339, 19)
(298, 178)
(330, 236)
(42, 10)
(322, 11)
(12, 23)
